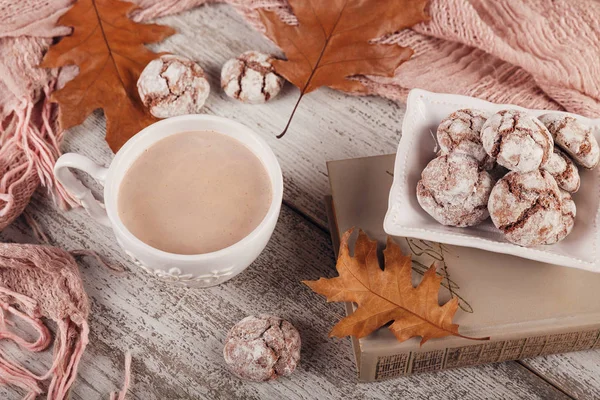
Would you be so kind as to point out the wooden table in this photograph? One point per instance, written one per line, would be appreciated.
(176, 334)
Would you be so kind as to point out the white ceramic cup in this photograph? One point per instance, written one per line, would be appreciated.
(201, 270)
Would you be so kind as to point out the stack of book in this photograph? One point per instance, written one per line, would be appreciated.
(528, 308)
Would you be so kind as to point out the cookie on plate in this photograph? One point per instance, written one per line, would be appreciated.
(526, 206)
(563, 170)
(577, 140)
(567, 219)
(460, 132)
(516, 140)
(454, 190)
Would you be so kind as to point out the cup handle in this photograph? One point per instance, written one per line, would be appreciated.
(94, 207)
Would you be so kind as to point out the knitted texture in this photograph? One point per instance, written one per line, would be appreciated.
(532, 53)
(29, 141)
(32, 18)
(527, 52)
(43, 282)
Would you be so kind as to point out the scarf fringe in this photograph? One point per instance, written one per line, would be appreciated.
(41, 145)
(126, 380)
(71, 340)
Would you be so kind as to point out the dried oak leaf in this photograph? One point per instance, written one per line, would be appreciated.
(333, 41)
(109, 49)
(386, 295)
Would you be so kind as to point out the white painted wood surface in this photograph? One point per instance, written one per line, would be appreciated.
(176, 334)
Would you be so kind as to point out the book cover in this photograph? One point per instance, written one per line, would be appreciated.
(528, 308)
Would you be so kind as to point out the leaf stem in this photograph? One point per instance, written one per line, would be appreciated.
(317, 64)
(471, 338)
(291, 116)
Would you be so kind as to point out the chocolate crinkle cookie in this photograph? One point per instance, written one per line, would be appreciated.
(251, 78)
(517, 140)
(526, 206)
(577, 140)
(460, 132)
(567, 219)
(454, 190)
(563, 170)
(173, 85)
(262, 348)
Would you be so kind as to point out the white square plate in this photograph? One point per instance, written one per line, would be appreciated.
(418, 146)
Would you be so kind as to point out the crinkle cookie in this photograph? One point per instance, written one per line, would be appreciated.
(577, 140)
(460, 132)
(517, 140)
(526, 206)
(251, 78)
(567, 220)
(454, 190)
(563, 170)
(173, 85)
(262, 348)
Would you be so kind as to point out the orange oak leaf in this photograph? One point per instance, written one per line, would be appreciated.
(386, 295)
(333, 41)
(109, 50)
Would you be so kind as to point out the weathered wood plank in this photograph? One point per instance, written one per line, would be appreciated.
(176, 334)
(575, 373)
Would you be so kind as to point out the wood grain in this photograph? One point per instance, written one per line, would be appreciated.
(574, 373)
(176, 334)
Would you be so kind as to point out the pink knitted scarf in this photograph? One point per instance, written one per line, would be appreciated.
(42, 281)
(534, 53)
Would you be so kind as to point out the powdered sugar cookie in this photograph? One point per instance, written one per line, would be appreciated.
(526, 206)
(251, 78)
(517, 140)
(460, 132)
(563, 170)
(454, 190)
(262, 348)
(567, 220)
(173, 85)
(574, 138)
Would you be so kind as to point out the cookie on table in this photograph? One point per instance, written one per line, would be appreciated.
(526, 206)
(567, 220)
(173, 85)
(262, 348)
(251, 78)
(454, 190)
(516, 140)
(574, 138)
(460, 132)
(563, 170)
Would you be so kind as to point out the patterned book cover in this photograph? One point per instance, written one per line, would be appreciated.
(526, 307)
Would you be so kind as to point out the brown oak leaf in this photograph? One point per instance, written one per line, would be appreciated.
(386, 295)
(333, 41)
(109, 50)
